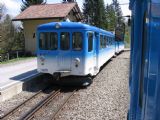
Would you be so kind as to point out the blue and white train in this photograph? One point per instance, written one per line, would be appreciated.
(70, 48)
(144, 80)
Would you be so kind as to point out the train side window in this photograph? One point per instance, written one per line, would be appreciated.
(144, 47)
(101, 41)
(77, 41)
(43, 41)
(105, 41)
(90, 42)
(108, 39)
(53, 41)
(111, 41)
(65, 41)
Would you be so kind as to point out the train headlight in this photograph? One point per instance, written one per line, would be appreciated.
(42, 59)
(57, 25)
(77, 62)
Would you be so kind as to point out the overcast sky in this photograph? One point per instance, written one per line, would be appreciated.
(13, 6)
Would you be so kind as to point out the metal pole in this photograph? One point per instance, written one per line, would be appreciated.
(8, 56)
(17, 55)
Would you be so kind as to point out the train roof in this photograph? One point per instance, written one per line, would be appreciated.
(71, 25)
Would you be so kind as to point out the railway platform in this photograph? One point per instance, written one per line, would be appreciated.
(14, 76)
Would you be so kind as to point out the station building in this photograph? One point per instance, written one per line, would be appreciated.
(40, 14)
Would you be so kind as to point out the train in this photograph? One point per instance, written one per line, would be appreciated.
(144, 81)
(74, 49)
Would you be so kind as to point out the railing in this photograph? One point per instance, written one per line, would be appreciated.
(11, 55)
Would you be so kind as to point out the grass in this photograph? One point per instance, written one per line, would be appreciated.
(127, 45)
(16, 60)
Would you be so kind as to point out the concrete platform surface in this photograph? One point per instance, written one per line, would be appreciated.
(17, 72)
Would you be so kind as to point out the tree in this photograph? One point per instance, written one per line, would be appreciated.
(110, 18)
(27, 3)
(118, 12)
(100, 14)
(2, 10)
(8, 32)
(94, 12)
(113, 15)
(88, 11)
(11, 38)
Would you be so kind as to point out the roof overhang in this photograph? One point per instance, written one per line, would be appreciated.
(41, 16)
(46, 18)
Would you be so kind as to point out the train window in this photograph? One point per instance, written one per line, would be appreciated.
(53, 41)
(111, 40)
(108, 41)
(101, 41)
(65, 41)
(90, 42)
(155, 7)
(43, 41)
(77, 41)
(105, 41)
(144, 47)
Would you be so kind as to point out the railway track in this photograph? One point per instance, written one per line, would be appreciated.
(20, 107)
(50, 99)
(37, 108)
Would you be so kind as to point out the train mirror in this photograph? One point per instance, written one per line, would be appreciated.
(120, 32)
(129, 21)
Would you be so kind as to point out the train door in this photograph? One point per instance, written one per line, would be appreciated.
(97, 49)
(144, 69)
(77, 51)
(64, 58)
(151, 84)
(91, 52)
(95, 54)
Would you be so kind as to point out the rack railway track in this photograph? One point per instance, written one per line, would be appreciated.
(31, 114)
(37, 107)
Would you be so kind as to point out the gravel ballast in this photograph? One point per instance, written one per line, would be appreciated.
(107, 98)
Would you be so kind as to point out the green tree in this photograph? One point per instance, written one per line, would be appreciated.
(8, 32)
(110, 18)
(27, 3)
(100, 14)
(19, 40)
(11, 38)
(94, 12)
(88, 11)
(118, 12)
(2, 10)
(113, 15)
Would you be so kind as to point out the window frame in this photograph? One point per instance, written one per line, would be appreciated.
(47, 44)
(50, 41)
(81, 41)
(68, 43)
(105, 41)
(101, 41)
(88, 40)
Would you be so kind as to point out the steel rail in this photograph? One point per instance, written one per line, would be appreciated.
(12, 111)
(60, 108)
(36, 108)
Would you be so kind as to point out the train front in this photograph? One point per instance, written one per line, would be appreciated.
(59, 49)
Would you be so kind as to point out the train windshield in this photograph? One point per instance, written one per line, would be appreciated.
(65, 41)
(48, 41)
(77, 41)
(155, 10)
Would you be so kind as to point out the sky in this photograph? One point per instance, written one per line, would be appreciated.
(13, 6)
